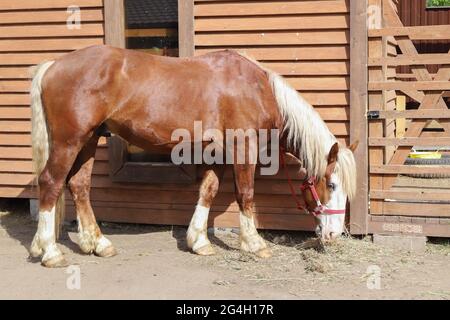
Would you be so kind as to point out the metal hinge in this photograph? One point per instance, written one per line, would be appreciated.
(371, 115)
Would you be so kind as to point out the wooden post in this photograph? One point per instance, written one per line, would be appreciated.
(400, 126)
(114, 23)
(359, 207)
(186, 28)
(376, 103)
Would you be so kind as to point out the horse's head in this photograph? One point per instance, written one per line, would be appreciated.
(334, 192)
(326, 197)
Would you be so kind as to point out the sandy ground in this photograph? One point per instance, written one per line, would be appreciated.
(153, 263)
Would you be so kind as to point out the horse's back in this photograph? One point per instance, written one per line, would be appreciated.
(137, 90)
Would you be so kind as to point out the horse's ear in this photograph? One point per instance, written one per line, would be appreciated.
(354, 146)
(333, 155)
(302, 173)
(300, 163)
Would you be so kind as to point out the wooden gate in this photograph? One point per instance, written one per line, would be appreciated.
(399, 201)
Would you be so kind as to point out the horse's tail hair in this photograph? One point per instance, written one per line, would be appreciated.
(40, 135)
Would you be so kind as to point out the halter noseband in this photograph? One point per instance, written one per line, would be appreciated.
(308, 184)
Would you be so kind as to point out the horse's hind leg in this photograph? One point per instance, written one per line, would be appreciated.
(197, 235)
(90, 237)
(51, 184)
(251, 241)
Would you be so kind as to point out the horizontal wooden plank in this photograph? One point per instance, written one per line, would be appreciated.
(23, 153)
(13, 59)
(416, 114)
(316, 83)
(23, 166)
(219, 9)
(228, 207)
(272, 38)
(53, 16)
(307, 68)
(436, 32)
(415, 209)
(291, 53)
(409, 169)
(15, 86)
(15, 139)
(15, 126)
(416, 195)
(30, 45)
(9, 113)
(310, 22)
(334, 113)
(17, 192)
(181, 217)
(47, 4)
(14, 72)
(411, 60)
(410, 85)
(326, 98)
(51, 30)
(442, 141)
(431, 230)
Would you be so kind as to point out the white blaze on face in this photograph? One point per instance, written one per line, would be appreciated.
(332, 226)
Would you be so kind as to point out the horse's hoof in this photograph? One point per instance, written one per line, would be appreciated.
(264, 253)
(207, 250)
(35, 251)
(55, 262)
(108, 252)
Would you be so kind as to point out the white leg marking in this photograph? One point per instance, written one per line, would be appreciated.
(90, 241)
(251, 241)
(86, 239)
(44, 241)
(197, 233)
(102, 244)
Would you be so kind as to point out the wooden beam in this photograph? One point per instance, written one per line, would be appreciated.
(438, 32)
(359, 209)
(414, 114)
(186, 27)
(410, 85)
(114, 23)
(413, 169)
(409, 194)
(409, 141)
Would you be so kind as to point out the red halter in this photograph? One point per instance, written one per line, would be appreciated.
(308, 184)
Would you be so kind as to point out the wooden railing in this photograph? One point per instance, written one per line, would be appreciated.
(394, 130)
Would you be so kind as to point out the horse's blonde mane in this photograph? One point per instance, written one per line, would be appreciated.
(307, 134)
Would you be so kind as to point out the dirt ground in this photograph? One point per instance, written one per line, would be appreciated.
(153, 263)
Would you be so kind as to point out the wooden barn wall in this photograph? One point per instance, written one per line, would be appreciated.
(415, 13)
(30, 32)
(306, 41)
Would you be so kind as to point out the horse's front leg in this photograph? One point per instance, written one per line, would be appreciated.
(91, 239)
(251, 241)
(197, 234)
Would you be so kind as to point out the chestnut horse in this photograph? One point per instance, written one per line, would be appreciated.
(143, 99)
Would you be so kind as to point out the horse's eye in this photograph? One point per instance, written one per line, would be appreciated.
(332, 186)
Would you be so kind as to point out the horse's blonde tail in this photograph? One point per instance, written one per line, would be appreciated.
(40, 135)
